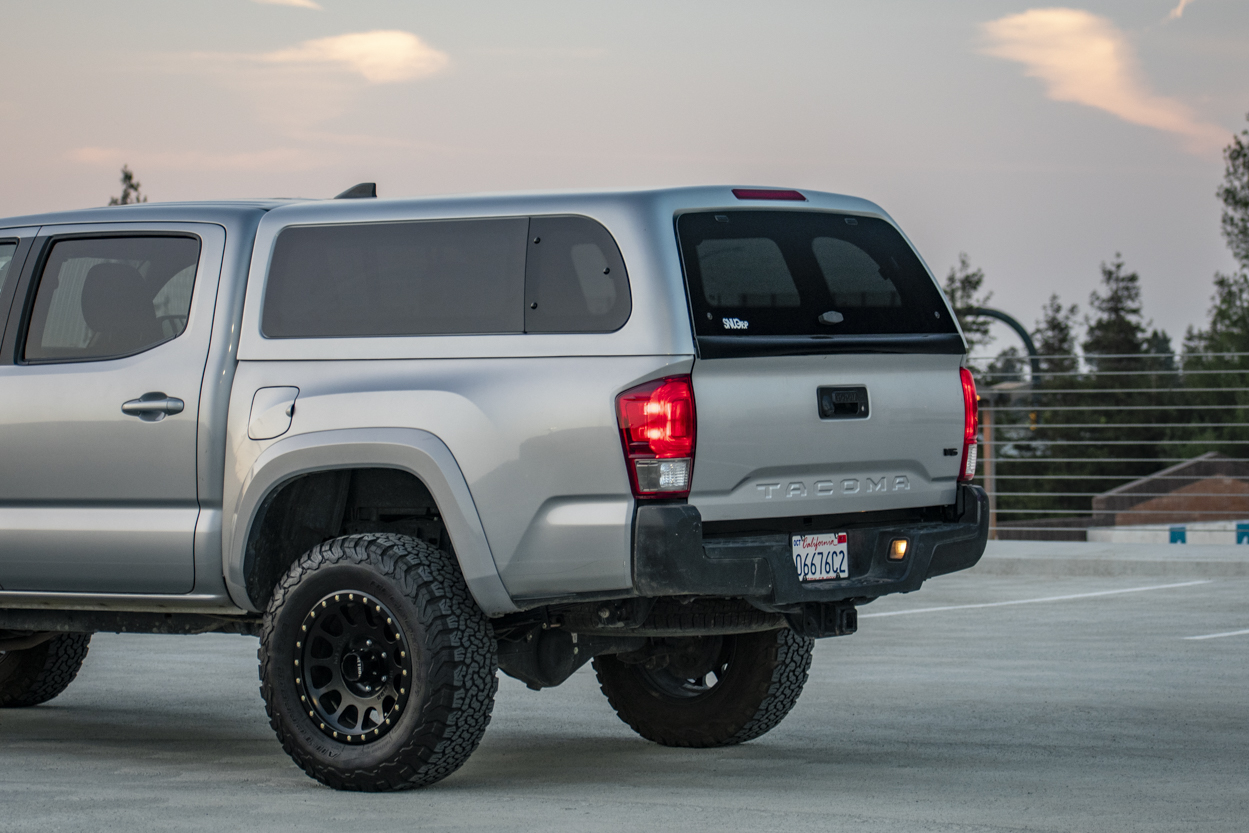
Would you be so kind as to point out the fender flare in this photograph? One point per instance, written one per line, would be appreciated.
(418, 452)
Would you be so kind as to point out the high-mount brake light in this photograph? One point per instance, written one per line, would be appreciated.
(657, 427)
(971, 416)
(768, 194)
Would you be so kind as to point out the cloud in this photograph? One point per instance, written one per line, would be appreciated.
(381, 57)
(308, 4)
(1178, 11)
(95, 155)
(1084, 59)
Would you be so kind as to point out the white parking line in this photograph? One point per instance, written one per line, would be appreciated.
(1217, 635)
(1043, 599)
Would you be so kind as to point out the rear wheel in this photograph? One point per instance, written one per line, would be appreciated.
(377, 667)
(707, 690)
(35, 675)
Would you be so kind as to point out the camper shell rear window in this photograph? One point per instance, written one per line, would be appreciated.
(805, 274)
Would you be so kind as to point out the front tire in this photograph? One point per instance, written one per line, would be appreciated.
(377, 667)
(36, 675)
(708, 690)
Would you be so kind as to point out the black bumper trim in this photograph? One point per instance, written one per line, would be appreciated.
(672, 558)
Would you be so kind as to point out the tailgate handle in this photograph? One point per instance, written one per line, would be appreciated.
(842, 402)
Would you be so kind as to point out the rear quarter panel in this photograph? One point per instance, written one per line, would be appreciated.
(535, 438)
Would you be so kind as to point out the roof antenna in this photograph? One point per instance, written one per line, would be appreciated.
(363, 191)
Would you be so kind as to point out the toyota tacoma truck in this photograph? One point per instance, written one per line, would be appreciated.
(678, 434)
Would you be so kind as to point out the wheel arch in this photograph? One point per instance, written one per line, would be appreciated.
(335, 454)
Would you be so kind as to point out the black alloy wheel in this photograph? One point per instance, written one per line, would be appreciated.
(355, 664)
(377, 667)
(693, 668)
(708, 690)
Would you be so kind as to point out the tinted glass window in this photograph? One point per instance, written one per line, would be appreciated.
(750, 272)
(777, 273)
(853, 278)
(109, 297)
(387, 279)
(575, 279)
(6, 258)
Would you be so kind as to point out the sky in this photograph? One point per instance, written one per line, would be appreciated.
(1040, 140)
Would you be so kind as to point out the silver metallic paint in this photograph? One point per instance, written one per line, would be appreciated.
(418, 452)
(548, 534)
(536, 440)
(272, 412)
(93, 499)
(759, 426)
(238, 220)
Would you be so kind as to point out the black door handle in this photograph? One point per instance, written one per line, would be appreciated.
(153, 407)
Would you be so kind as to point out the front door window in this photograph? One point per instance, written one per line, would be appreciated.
(110, 297)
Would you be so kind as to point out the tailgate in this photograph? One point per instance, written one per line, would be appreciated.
(765, 451)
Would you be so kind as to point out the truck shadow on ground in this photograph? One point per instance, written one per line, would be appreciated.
(161, 745)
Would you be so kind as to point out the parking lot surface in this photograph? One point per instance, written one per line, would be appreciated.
(985, 702)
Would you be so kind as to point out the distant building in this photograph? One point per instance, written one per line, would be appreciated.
(1204, 500)
(1212, 487)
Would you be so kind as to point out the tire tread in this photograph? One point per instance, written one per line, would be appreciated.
(461, 648)
(769, 689)
(44, 671)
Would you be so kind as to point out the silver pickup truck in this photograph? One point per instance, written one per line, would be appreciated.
(678, 433)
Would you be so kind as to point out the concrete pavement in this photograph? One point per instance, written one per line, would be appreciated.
(985, 702)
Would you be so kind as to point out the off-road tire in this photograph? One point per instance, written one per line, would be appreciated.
(453, 663)
(761, 677)
(36, 675)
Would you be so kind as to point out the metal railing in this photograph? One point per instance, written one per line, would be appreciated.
(1073, 443)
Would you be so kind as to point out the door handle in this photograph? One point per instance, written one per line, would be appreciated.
(153, 407)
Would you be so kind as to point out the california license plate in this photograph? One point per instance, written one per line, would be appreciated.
(821, 557)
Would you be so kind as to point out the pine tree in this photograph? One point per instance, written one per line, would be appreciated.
(130, 193)
(1117, 330)
(1234, 193)
(1228, 328)
(962, 286)
(1213, 371)
(1055, 336)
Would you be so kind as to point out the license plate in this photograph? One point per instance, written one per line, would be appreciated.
(821, 557)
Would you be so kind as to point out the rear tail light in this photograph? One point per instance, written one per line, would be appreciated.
(657, 428)
(971, 414)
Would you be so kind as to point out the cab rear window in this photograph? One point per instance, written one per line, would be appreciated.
(805, 273)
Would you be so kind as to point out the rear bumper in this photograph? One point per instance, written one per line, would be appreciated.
(672, 558)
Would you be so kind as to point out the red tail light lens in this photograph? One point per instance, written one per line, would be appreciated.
(971, 417)
(657, 427)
